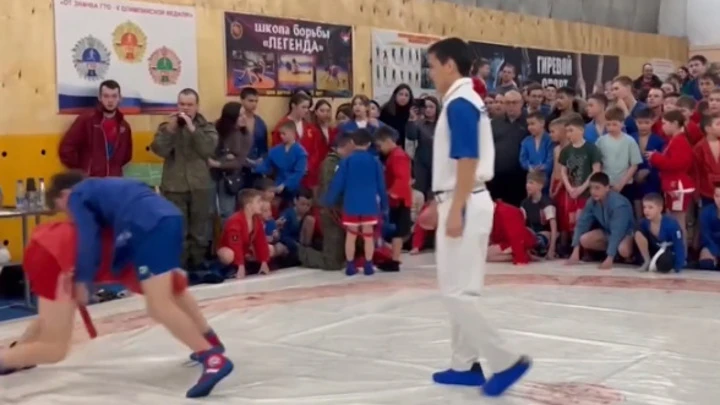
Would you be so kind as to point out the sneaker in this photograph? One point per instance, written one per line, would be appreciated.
(215, 368)
(470, 378)
(502, 381)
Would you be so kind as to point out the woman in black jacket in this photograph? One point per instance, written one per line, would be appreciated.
(421, 130)
(396, 112)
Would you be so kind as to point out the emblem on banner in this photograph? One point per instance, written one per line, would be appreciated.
(91, 58)
(165, 66)
(236, 30)
(130, 42)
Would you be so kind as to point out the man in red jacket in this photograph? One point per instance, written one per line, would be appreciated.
(99, 142)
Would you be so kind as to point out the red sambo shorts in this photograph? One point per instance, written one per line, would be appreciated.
(49, 261)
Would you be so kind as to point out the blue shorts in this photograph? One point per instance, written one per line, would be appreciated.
(158, 250)
(542, 244)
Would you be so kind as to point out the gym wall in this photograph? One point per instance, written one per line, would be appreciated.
(30, 127)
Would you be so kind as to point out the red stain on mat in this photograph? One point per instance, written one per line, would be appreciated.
(567, 394)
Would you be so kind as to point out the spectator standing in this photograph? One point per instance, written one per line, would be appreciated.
(186, 142)
(421, 130)
(99, 143)
(508, 133)
(396, 112)
(234, 144)
(647, 80)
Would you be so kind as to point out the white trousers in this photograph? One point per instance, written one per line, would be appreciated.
(461, 277)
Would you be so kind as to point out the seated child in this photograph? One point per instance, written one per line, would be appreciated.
(398, 167)
(710, 233)
(540, 215)
(272, 233)
(510, 239)
(613, 215)
(243, 242)
(296, 223)
(659, 238)
(287, 162)
(359, 181)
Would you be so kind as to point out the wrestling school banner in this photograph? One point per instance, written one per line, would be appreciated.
(586, 73)
(149, 48)
(399, 57)
(277, 56)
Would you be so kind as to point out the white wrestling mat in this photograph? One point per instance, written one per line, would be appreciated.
(303, 337)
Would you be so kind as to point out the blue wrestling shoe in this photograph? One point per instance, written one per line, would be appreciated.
(368, 268)
(215, 368)
(214, 340)
(502, 381)
(350, 269)
(469, 378)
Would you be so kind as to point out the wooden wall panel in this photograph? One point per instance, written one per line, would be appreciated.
(30, 127)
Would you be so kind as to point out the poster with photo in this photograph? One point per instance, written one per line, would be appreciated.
(399, 57)
(277, 56)
(148, 48)
(585, 73)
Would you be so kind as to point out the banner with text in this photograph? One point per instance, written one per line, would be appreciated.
(585, 73)
(399, 57)
(277, 56)
(148, 48)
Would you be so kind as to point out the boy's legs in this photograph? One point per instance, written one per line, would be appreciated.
(594, 240)
(643, 244)
(47, 339)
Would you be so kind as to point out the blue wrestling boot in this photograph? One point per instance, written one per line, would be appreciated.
(368, 268)
(502, 381)
(215, 368)
(469, 378)
(350, 269)
(214, 340)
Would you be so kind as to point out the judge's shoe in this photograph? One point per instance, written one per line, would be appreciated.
(503, 380)
(470, 378)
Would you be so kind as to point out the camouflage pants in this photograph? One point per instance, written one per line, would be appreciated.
(332, 255)
(195, 206)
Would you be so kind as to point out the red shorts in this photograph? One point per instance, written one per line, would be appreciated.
(678, 202)
(568, 210)
(357, 220)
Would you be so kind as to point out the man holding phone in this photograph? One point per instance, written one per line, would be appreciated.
(186, 142)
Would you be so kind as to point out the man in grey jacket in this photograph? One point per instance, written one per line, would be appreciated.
(186, 141)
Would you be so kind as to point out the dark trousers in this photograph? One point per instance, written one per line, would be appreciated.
(195, 206)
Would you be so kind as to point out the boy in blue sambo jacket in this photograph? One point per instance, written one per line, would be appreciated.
(359, 180)
(287, 162)
(709, 220)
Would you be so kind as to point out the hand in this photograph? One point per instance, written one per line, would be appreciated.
(413, 114)
(648, 155)
(454, 225)
(240, 272)
(81, 293)
(606, 264)
(414, 251)
(574, 192)
(188, 121)
(213, 163)
(264, 269)
(551, 255)
(574, 257)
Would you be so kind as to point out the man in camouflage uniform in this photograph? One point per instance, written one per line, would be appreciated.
(186, 142)
(332, 256)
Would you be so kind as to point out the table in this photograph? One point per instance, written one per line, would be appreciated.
(25, 215)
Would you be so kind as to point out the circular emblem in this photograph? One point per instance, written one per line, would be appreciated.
(215, 361)
(165, 66)
(236, 30)
(91, 58)
(130, 42)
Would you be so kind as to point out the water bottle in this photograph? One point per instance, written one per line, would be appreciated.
(20, 195)
(31, 194)
(42, 204)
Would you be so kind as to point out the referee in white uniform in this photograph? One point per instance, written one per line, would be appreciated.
(463, 161)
